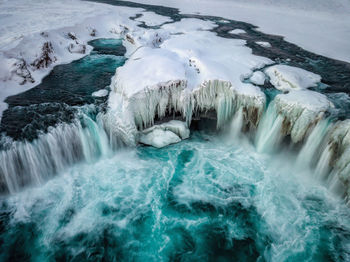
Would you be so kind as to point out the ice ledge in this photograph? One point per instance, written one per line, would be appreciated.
(301, 110)
(288, 78)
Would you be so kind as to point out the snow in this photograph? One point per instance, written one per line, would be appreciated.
(258, 78)
(153, 19)
(181, 74)
(50, 33)
(263, 44)
(286, 78)
(147, 68)
(237, 31)
(165, 134)
(301, 110)
(100, 93)
(322, 27)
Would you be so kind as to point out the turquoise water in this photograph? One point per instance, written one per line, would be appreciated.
(207, 198)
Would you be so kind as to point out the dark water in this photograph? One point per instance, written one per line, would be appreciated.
(62, 92)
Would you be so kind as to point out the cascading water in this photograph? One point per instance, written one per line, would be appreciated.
(62, 146)
(237, 123)
(310, 151)
(269, 131)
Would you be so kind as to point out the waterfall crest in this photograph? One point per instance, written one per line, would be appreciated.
(85, 139)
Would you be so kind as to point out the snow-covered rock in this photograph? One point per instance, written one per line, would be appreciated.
(165, 134)
(286, 78)
(237, 31)
(263, 44)
(258, 78)
(77, 48)
(300, 111)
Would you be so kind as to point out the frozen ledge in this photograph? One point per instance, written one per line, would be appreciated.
(286, 78)
(301, 110)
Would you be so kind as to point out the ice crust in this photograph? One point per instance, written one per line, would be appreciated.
(286, 78)
(300, 111)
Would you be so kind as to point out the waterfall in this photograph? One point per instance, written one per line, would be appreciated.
(322, 167)
(237, 123)
(34, 162)
(310, 150)
(269, 131)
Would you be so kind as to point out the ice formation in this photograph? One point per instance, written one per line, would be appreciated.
(339, 145)
(165, 134)
(182, 76)
(287, 78)
(300, 111)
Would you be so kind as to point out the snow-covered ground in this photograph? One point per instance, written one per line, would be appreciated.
(37, 35)
(320, 26)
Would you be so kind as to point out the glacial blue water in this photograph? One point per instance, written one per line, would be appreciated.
(212, 197)
(208, 198)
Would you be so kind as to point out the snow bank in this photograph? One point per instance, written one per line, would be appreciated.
(165, 134)
(300, 111)
(287, 78)
(153, 19)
